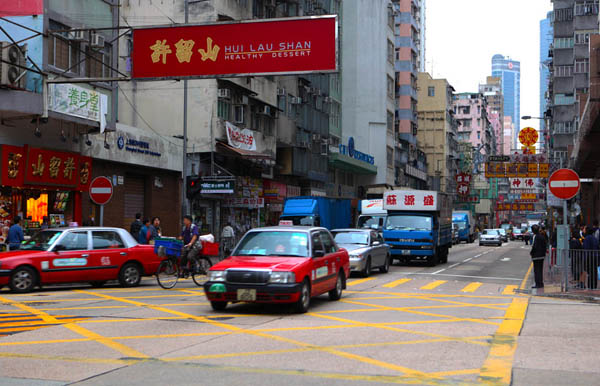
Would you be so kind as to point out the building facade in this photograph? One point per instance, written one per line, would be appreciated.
(546, 39)
(509, 71)
(437, 134)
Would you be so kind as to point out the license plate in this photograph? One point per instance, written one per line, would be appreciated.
(246, 295)
(406, 252)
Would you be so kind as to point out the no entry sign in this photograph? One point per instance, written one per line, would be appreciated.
(564, 183)
(101, 190)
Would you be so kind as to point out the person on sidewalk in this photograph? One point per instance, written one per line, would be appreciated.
(136, 225)
(15, 235)
(576, 259)
(154, 230)
(538, 254)
(142, 236)
(591, 246)
(228, 239)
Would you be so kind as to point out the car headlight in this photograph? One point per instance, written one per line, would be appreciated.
(216, 275)
(356, 256)
(282, 277)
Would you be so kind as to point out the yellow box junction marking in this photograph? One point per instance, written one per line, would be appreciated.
(433, 284)
(359, 281)
(472, 287)
(396, 283)
(509, 290)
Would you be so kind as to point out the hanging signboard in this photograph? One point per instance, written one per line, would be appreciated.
(240, 138)
(237, 48)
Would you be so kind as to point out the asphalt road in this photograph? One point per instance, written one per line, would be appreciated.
(453, 323)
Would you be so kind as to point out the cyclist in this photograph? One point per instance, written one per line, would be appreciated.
(191, 244)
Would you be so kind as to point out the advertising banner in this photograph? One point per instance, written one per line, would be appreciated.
(284, 46)
(240, 138)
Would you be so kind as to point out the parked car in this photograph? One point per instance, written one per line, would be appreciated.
(503, 234)
(280, 265)
(490, 237)
(68, 255)
(366, 249)
(517, 234)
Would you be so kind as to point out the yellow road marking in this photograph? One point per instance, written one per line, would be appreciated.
(419, 294)
(471, 287)
(433, 284)
(497, 368)
(396, 283)
(359, 281)
(526, 278)
(78, 329)
(456, 372)
(509, 290)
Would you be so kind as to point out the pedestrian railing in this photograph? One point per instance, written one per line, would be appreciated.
(573, 270)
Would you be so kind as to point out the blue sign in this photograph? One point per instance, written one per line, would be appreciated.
(136, 146)
(351, 151)
(120, 143)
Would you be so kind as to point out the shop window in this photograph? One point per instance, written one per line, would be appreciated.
(37, 209)
(73, 241)
(106, 240)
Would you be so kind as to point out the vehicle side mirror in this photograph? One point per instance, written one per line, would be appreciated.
(318, 253)
(59, 248)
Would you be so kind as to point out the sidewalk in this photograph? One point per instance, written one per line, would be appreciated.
(559, 344)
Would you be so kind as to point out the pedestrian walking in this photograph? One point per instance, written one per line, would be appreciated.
(136, 225)
(591, 247)
(538, 254)
(143, 234)
(596, 230)
(15, 234)
(576, 259)
(154, 230)
(228, 238)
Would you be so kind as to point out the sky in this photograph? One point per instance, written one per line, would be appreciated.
(463, 35)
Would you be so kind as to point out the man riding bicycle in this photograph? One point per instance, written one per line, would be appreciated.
(191, 245)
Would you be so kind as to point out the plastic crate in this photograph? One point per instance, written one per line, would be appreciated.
(172, 247)
(210, 249)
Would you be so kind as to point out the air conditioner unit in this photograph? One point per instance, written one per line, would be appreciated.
(78, 36)
(224, 93)
(12, 56)
(97, 41)
(281, 91)
(266, 110)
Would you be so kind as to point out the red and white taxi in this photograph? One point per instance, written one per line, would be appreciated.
(68, 255)
(280, 265)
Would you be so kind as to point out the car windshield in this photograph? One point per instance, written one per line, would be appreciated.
(505, 226)
(502, 231)
(361, 238)
(460, 224)
(41, 241)
(516, 230)
(408, 222)
(370, 222)
(491, 232)
(273, 243)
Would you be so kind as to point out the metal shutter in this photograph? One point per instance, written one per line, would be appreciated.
(134, 198)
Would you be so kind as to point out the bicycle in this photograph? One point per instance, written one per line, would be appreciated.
(170, 270)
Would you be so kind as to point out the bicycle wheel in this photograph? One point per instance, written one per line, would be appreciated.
(200, 267)
(167, 274)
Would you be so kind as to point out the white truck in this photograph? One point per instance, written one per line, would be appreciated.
(372, 215)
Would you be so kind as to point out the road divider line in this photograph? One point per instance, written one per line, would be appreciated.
(441, 270)
(466, 260)
(396, 283)
(359, 281)
(433, 284)
(509, 290)
(454, 265)
(472, 287)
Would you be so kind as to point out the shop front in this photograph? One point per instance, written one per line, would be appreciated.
(42, 186)
(245, 209)
(274, 194)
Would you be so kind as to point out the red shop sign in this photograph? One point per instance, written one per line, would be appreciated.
(12, 160)
(291, 46)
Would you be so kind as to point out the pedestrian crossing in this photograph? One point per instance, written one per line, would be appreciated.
(430, 285)
(13, 323)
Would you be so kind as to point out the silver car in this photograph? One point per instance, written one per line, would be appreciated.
(366, 249)
(490, 237)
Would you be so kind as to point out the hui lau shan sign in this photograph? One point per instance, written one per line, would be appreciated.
(284, 46)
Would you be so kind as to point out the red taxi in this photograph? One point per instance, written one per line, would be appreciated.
(280, 265)
(68, 255)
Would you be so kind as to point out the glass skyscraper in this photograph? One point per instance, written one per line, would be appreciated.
(546, 39)
(509, 71)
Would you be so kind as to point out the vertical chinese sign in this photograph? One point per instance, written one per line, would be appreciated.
(291, 46)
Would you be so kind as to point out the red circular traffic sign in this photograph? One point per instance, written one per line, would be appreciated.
(101, 190)
(564, 183)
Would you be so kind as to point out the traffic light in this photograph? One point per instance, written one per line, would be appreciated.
(193, 186)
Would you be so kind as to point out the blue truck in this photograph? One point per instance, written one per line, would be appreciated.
(330, 213)
(418, 225)
(466, 226)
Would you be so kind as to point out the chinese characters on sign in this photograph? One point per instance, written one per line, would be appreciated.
(412, 200)
(512, 170)
(528, 136)
(463, 182)
(261, 47)
(78, 101)
(240, 139)
(507, 206)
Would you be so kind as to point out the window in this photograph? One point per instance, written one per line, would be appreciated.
(390, 17)
(558, 155)
(586, 9)
(316, 242)
(431, 91)
(390, 51)
(465, 110)
(73, 241)
(563, 14)
(97, 62)
(564, 127)
(479, 135)
(390, 87)
(478, 109)
(106, 240)
(563, 43)
(328, 242)
(390, 157)
(582, 66)
(397, 53)
(335, 114)
(583, 37)
(238, 114)
(564, 99)
(223, 109)
(466, 123)
(563, 71)
(390, 122)
(62, 53)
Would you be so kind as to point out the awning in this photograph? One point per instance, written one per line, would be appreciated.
(349, 164)
(226, 149)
